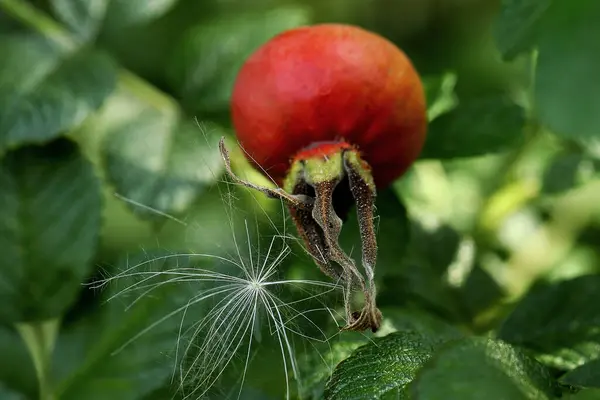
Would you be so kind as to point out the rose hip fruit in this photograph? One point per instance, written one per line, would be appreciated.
(330, 82)
(331, 112)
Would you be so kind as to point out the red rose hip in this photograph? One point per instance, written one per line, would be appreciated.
(330, 112)
(330, 82)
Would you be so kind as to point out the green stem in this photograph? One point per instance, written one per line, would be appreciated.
(39, 339)
(37, 20)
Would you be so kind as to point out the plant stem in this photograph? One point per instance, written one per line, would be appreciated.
(39, 339)
(37, 20)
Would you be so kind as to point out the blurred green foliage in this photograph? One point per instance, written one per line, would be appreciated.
(121, 244)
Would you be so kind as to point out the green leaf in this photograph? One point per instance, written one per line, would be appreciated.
(419, 277)
(318, 365)
(565, 172)
(49, 224)
(567, 91)
(444, 239)
(52, 95)
(478, 368)
(83, 17)
(589, 394)
(17, 373)
(206, 61)
(586, 375)
(8, 394)
(477, 126)
(562, 328)
(421, 286)
(383, 367)
(116, 352)
(413, 319)
(87, 17)
(123, 13)
(480, 291)
(162, 163)
(516, 26)
(439, 92)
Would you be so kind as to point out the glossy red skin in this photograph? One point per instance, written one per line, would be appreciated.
(330, 82)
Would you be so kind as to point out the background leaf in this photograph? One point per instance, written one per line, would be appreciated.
(383, 367)
(480, 291)
(561, 175)
(419, 278)
(516, 25)
(49, 226)
(477, 126)
(206, 62)
(162, 163)
(558, 325)
(567, 90)
(476, 368)
(589, 394)
(83, 17)
(17, 374)
(122, 13)
(586, 375)
(57, 93)
(101, 356)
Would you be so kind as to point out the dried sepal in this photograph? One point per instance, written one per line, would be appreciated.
(364, 193)
(297, 201)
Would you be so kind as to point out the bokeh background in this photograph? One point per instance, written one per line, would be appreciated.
(110, 115)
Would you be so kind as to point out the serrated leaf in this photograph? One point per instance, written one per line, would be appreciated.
(567, 91)
(52, 95)
(586, 375)
(383, 367)
(516, 26)
(478, 368)
(17, 373)
(477, 126)
(108, 354)
(206, 62)
(556, 324)
(318, 365)
(83, 17)
(50, 207)
(162, 163)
